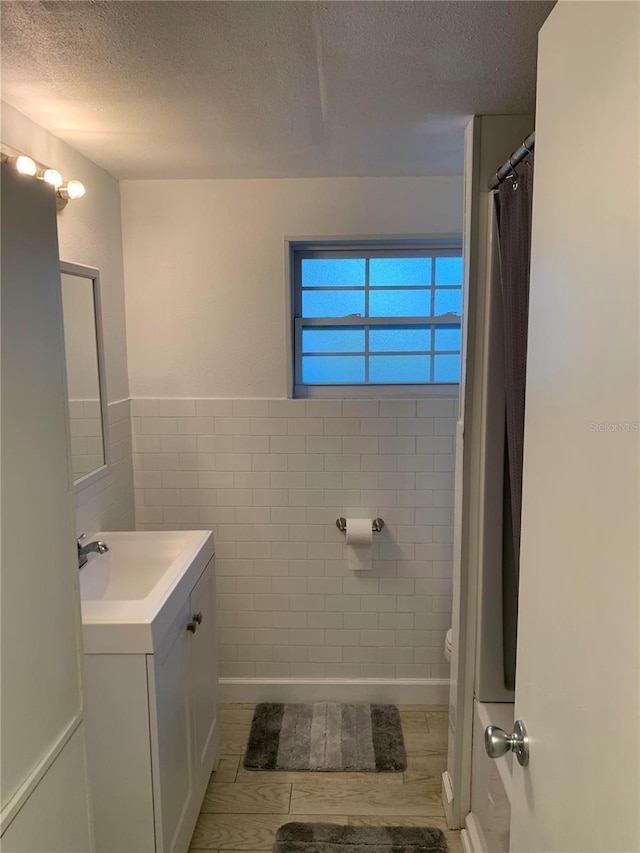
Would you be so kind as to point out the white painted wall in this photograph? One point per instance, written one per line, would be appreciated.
(205, 269)
(90, 233)
(206, 297)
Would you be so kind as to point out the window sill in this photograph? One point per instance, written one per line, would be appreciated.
(375, 392)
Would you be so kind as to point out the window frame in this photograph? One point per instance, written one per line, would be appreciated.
(295, 252)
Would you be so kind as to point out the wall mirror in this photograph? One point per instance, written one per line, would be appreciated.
(88, 420)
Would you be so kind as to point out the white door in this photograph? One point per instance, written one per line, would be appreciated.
(578, 668)
(44, 806)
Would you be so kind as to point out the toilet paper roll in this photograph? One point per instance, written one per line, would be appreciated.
(359, 539)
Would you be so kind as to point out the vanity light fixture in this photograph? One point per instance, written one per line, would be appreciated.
(65, 190)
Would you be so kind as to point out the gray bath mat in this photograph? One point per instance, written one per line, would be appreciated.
(326, 736)
(333, 838)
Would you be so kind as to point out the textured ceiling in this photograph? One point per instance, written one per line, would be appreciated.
(188, 89)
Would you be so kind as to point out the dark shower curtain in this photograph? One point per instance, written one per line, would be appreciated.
(513, 213)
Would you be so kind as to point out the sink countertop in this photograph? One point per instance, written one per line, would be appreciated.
(131, 594)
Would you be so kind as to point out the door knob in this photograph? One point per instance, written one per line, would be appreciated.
(192, 627)
(197, 617)
(498, 743)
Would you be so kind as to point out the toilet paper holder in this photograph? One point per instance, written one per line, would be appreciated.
(376, 525)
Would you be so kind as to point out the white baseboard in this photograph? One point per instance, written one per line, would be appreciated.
(401, 691)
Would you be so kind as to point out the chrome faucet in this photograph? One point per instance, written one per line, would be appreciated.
(96, 547)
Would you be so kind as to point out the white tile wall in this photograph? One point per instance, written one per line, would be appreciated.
(108, 503)
(270, 477)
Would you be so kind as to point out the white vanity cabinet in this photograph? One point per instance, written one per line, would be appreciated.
(153, 728)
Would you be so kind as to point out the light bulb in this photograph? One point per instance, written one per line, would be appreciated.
(53, 177)
(25, 165)
(75, 189)
(72, 189)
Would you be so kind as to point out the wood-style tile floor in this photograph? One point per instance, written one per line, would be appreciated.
(243, 809)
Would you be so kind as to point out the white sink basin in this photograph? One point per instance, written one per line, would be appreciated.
(127, 592)
(133, 566)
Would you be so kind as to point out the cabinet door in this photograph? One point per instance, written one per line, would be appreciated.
(204, 676)
(171, 735)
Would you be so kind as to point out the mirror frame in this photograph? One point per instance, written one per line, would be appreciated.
(92, 274)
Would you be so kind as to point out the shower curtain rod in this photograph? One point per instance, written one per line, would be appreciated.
(517, 157)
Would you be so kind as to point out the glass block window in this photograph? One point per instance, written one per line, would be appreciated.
(377, 314)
